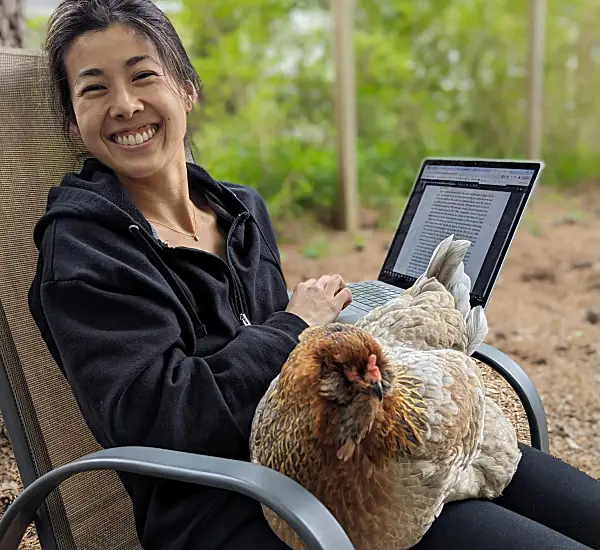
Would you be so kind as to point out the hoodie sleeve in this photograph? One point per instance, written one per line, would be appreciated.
(124, 357)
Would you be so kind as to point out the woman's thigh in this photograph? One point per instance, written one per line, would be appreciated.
(556, 494)
(483, 525)
(256, 534)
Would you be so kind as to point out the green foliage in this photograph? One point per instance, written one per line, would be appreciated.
(265, 118)
(316, 248)
(433, 77)
(35, 32)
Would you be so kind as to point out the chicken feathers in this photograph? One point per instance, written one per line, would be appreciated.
(435, 312)
(386, 421)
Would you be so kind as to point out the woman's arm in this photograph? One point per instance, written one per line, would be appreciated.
(124, 357)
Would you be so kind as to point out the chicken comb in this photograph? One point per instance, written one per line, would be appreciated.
(372, 367)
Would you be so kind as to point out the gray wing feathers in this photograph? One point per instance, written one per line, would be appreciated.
(258, 414)
(477, 328)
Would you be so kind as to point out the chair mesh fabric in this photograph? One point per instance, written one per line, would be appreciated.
(90, 511)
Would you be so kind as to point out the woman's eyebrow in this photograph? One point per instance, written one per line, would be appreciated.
(136, 59)
(94, 71)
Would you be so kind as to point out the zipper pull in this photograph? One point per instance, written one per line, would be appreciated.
(245, 321)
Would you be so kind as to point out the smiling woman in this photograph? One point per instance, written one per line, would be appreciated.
(159, 290)
(129, 111)
(128, 102)
(160, 294)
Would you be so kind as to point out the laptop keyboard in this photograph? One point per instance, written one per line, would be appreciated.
(367, 295)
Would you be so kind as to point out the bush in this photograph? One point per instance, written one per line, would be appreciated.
(436, 77)
(433, 78)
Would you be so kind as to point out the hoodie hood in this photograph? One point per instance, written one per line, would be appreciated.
(95, 192)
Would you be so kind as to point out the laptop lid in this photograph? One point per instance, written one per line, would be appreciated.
(474, 199)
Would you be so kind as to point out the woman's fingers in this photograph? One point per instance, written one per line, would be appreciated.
(334, 284)
(343, 298)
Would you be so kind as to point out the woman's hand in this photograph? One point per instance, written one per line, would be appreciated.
(319, 302)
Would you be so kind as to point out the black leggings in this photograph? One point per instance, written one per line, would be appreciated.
(548, 505)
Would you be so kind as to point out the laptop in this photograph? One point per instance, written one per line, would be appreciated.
(479, 200)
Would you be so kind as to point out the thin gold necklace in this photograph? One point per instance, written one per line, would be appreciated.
(194, 234)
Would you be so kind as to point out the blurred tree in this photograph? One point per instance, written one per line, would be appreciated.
(12, 28)
(433, 78)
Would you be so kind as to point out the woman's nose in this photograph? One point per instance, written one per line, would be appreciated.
(125, 104)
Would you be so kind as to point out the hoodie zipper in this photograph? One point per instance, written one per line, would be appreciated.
(238, 290)
(240, 305)
(245, 321)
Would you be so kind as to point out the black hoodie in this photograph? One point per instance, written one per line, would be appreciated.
(155, 343)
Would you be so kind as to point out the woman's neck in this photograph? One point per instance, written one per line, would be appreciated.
(164, 197)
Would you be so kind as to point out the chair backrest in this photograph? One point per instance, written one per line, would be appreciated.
(90, 511)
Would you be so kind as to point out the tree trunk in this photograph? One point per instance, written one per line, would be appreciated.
(12, 26)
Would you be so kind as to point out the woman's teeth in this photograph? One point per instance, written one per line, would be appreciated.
(138, 138)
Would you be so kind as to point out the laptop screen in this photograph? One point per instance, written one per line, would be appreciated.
(481, 201)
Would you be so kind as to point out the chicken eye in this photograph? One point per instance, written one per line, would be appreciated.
(337, 365)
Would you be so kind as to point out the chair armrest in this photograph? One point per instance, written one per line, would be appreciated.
(524, 388)
(313, 522)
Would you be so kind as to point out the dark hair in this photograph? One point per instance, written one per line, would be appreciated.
(73, 18)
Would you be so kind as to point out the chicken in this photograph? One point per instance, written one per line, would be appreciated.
(430, 320)
(387, 420)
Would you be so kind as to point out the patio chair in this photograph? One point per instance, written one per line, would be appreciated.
(72, 492)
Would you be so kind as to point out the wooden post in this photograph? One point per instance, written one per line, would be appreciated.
(342, 12)
(12, 24)
(537, 27)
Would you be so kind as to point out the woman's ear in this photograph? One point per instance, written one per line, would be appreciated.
(191, 95)
(74, 128)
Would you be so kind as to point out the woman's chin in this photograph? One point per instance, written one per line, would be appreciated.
(142, 166)
(144, 163)
(137, 169)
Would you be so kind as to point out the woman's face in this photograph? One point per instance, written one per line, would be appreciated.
(129, 113)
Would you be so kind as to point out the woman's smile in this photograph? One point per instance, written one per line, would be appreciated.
(134, 140)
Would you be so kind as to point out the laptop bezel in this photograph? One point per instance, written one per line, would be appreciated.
(536, 165)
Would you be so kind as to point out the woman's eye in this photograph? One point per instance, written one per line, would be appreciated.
(143, 75)
(91, 88)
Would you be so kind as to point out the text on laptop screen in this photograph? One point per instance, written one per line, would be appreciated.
(474, 202)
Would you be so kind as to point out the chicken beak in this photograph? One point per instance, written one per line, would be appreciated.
(377, 389)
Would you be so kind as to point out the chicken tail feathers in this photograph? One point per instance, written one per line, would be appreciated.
(446, 260)
(477, 328)
(460, 288)
(446, 265)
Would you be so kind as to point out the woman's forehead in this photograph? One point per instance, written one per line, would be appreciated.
(111, 48)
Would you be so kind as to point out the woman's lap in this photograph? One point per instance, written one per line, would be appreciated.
(256, 534)
(548, 504)
(479, 524)
(556, 494)
(473, 524)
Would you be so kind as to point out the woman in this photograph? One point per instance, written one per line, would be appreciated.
(160, 294)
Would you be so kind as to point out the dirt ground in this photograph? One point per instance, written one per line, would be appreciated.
(544, 312)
